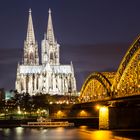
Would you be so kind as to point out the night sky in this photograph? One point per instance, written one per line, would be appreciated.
(94, 34)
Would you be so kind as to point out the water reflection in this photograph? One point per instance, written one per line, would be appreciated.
(44, 131)
(102, 135)
(82, 133)
(19, 130)
(6, 131)
(60, 129)
(83, 127)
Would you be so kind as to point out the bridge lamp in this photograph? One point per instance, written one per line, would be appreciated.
(83, 113)
(97, 107)
(60, 114)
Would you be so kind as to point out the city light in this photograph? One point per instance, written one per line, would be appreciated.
(19, 112)
(51, 103)
(97, 107)
(45, 88)
(83, 113)
(59, 114)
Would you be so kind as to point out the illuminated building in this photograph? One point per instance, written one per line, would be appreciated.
(49, 77)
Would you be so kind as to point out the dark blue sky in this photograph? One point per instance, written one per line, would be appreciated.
(94, 34)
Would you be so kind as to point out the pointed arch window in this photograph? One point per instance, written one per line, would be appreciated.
(51, 56)
(31, 57)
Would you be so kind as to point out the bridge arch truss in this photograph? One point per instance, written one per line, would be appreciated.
(96, 86)
(127, 79)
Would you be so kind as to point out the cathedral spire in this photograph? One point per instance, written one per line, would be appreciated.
(50, 33)
(30, 46)
(30, 30)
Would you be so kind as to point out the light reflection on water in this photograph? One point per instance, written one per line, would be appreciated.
(82, 133)
(19, 130)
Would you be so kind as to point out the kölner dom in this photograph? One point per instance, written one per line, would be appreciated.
(49, 77)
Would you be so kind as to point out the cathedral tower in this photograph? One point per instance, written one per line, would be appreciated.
(50, 47)
(30, 45)
(49, 77)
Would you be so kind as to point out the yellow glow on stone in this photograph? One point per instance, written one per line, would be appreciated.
(103, 118)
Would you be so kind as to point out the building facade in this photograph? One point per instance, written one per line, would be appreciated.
(49, 76)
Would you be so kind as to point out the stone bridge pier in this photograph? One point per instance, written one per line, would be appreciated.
(127, 117)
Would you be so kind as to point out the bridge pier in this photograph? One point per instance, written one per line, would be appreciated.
(104, 117)
(119, 117)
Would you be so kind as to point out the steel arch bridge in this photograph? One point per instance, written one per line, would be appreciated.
(126, 81)
(96, 86)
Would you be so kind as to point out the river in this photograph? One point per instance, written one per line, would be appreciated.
(81, 133)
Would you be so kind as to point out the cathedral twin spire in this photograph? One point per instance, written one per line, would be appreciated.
(30, 30)
(31, 56)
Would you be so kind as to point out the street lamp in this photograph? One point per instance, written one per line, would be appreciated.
(19, 111)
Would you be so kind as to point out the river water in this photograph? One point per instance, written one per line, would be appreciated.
(81, 133)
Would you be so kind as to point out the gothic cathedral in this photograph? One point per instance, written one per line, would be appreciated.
(49, 77)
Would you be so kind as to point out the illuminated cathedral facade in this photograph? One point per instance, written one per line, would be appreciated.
(49, 76)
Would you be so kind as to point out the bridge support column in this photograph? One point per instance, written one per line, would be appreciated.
(104, 117)
(119, 117)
